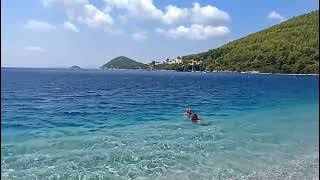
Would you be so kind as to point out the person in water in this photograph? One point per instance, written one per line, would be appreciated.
(189, 111)
(195, 117)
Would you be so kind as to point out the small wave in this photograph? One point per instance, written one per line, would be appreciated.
(63, 124)
(30, 108)
(205, 124)
(101, 102)
(74, 113)
(15, 125)
(218, 114)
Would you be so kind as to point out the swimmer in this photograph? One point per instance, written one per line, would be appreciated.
(195, 117)
(188, 111)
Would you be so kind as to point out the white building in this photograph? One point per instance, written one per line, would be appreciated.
(174, 61)
(196, 63)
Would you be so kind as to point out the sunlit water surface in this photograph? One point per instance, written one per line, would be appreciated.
(94, 124)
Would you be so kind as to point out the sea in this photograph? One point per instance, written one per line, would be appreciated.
(124, 124)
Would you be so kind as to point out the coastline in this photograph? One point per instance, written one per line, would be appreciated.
(163, 70)
(240, 72)
(243, 72)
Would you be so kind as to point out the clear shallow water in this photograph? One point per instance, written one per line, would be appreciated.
(92, 124)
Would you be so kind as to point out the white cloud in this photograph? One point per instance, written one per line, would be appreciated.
(82, 11)
(208, 15)
(201, 22)
(276, 16)
(145, 9)
(139, 36)
(174, 14)
(196, 32)
(69, 26)
(35, 49)
(160, 31)
(39, 26)
(94, 17)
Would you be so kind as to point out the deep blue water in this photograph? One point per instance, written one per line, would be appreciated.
(94, 124)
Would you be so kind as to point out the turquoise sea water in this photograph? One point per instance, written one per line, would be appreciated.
(94, 124)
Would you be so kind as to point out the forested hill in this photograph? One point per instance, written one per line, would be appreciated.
(289, 47)
(123, 62)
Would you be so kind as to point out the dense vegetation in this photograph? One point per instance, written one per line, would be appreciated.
(289, 47)
(123, 62)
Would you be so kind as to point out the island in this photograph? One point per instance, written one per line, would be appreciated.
(123, 62)
(75, 67)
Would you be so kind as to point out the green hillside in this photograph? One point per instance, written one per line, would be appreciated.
(123, 62)
(289, 47)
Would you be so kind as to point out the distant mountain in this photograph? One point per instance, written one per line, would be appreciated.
(75, 67)
(289, 47)
(123, 62)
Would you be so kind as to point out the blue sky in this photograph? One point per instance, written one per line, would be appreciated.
(88, 33)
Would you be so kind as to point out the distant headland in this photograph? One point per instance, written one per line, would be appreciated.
(75, 67)
(123, 62)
